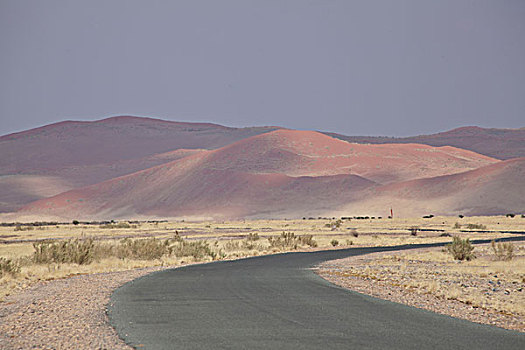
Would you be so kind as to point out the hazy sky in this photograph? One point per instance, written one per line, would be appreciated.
(356, 67)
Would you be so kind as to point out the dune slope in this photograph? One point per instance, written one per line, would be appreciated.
(494, 189)
(279, 174)
(84, 153)
(496, 143)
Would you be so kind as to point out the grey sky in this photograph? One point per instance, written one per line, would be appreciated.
(356, 67)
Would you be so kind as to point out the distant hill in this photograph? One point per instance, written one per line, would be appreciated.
(496, 143)
(125, 167)
(495, 189)
(70, 154)
(282, 173)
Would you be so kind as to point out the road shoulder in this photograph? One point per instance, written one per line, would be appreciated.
(473, 291)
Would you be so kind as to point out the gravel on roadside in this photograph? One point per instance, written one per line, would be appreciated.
(391, 289)
(64, 314)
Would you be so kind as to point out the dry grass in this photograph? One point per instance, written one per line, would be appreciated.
(485, 282)
(119, 244)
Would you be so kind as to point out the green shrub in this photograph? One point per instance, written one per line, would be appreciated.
(70, 251)
(118, 225)
(232, 245)
(9, 266)
(334, 224)
(86, 251)
(308, 240)
(23, 228)
(461, 249)
(334, 242)
(286, 240)
(503, 251)
(253, 236)
(143, 249)
(476, 226)
(197, 249)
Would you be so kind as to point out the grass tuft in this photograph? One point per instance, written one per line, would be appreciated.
(9, 266)
(69, 251)
(503, 251)
(461, 249)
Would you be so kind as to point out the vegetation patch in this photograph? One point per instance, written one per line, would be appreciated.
(461, 249)
(288, 240)
(117, 225)
(503, 251)
(9, 266)
(70, 251)
(476, 227)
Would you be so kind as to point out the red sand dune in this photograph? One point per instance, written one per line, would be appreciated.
(496, 143)
(18, 190)
(72, 143)
(309, 153)
(77, 154)
(281, 173)
(494, 189)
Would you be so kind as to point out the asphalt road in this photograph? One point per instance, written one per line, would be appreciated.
(276, 302)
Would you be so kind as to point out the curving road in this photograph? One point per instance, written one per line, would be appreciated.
(276, 302)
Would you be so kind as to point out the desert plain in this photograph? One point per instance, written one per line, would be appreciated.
(88, 206)
(487, 289)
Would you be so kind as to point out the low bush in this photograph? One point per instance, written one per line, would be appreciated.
(308, 240)
(461, 249)
(334, 242)
(252, 236)
(503, 251)
(413, 230)
(286, 240)
(9, 266)
(84, 252)
(197, 249)
(70, 251)
(143, 249)
(476, 226)
(232, 245)
(118, 225)
(23, 228)
(354, 232)
(457, 225)
(334, 224)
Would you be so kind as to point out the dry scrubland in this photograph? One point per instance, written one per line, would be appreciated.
(488, 288)
(33, 253)
(70, 312)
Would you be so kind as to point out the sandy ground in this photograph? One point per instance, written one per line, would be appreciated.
(70, 312)
(427, 279)
(64, 314)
